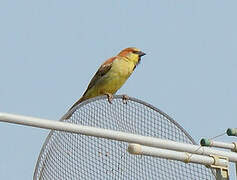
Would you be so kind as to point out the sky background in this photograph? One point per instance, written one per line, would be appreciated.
(50, 49)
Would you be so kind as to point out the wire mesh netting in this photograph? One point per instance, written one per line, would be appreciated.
(74, 156)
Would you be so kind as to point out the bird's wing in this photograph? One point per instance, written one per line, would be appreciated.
(104, 68)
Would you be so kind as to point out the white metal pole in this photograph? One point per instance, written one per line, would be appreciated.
(218, 144)
(224, 145)
(175, 155)
(115, 135)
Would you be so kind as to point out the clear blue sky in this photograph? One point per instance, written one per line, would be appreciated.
(50, 50)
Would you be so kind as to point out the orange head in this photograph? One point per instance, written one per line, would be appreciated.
(133, 54)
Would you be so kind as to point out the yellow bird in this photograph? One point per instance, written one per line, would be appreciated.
(112, 74)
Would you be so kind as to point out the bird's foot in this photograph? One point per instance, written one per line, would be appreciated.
(125, 99)
(110, 97)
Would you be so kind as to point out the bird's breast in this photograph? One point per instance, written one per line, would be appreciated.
(122, 68)
(117, 76)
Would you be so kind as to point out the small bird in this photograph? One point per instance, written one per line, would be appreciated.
(111, 75)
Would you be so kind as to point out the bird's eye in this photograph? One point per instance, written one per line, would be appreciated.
(135, 52)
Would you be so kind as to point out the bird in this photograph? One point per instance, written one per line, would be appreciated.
(111, 75)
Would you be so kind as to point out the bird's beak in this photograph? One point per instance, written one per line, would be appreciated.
(140, 53)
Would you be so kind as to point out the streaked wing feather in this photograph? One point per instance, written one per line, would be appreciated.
(104, 68)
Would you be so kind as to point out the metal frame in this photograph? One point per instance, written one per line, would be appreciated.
(105, 97)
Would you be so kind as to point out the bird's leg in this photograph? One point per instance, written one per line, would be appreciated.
(125, 98)
(110, 97)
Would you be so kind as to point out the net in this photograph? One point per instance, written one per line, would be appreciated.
(74, 156)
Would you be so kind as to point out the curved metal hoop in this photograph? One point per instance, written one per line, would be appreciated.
(104, 98)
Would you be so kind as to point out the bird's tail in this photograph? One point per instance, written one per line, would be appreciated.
(69, 112)
(76, 103)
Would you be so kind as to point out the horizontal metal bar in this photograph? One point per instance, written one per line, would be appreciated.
(115, 135)
(175, 155)
(218, 144)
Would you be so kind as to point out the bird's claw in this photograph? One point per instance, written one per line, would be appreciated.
(125, 99)
(110, 97)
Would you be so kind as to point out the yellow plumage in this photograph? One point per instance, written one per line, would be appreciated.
(113, 80)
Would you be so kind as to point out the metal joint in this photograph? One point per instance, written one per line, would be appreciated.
(222, 171)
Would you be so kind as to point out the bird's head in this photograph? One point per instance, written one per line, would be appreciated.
(133, 54)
